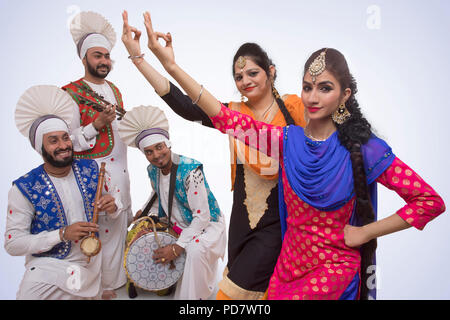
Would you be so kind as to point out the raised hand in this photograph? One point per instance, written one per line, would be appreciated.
(164, 54)
(131, 43)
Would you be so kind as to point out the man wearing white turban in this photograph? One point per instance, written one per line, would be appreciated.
(50, 207)
(96, 135)
(192, 209)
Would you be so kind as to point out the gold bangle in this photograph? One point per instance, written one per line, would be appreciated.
(174, 252)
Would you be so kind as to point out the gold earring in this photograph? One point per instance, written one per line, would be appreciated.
(341, 115)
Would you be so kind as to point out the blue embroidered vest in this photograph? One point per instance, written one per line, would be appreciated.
(38, 188)
(185, 167)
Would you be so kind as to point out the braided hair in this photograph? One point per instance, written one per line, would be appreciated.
(352, 134)
(254, 52)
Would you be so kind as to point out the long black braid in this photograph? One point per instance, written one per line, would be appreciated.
(352, 134)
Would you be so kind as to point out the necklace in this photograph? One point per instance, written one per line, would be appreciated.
(265, 112)
(315, 139)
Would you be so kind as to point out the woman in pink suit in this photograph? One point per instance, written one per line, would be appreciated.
(328, 176)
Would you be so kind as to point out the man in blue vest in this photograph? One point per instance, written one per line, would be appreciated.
(50, 207)
(193, 209)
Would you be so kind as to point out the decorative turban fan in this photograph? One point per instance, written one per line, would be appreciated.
(144, 126)
(42, 109)
(90, 29)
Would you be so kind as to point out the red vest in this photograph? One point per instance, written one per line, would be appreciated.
(105, 138)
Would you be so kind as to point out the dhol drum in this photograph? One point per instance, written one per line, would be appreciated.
(143, 239)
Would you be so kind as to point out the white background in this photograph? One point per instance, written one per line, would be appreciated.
(397, 50)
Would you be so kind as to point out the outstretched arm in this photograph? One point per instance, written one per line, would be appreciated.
(175, 99)
(156, 80)
(258, 135)
(205, 100)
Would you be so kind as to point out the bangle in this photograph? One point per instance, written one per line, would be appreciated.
(199, 96)
(174, 252)
(62, 233)
(136, 57)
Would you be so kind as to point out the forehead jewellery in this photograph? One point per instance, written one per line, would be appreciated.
(241, 62)
(317, 66)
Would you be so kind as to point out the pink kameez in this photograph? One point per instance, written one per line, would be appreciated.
(314, 262)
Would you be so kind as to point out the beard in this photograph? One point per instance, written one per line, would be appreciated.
(163, 165)
(94, 70)
(166, 160)
(58, 163)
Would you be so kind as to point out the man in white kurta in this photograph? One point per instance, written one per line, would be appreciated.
(113, 229)
(46, 277)
(203, 240)
(195, 213)
(95, 137)
(50, 209)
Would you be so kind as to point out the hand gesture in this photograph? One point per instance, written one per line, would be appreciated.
(164, 54)
(132, 44)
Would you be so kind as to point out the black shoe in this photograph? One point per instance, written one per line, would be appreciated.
(132, 293)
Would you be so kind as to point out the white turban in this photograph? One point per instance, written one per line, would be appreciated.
(92, 40)
(43, 126)
(151, 137)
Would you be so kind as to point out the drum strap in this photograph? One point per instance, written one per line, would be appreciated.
(173, 177)
(148, 206)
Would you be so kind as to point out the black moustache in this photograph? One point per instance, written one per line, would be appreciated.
(61, 151)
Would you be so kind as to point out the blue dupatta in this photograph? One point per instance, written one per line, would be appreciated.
(321, 174)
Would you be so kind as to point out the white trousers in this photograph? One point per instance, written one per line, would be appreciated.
(30, 290)
(200, 270)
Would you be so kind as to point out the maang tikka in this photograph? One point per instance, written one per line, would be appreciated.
(241, 62)
(317, 66)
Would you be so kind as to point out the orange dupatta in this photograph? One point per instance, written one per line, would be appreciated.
(259, 163)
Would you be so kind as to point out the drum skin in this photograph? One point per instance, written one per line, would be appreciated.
(140, 267)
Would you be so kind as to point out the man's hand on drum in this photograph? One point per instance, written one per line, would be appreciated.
(168, 253)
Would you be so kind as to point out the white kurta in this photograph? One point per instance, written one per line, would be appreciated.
(203, 240)
(45, 277)
(113, 228)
